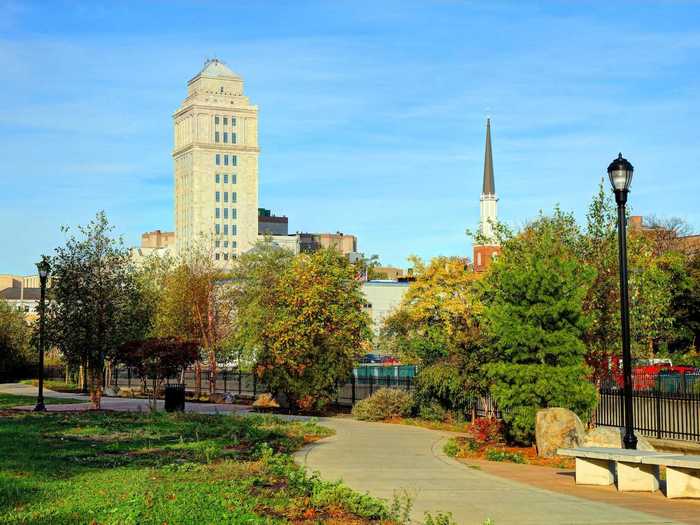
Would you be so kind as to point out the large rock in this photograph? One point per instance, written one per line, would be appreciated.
(557, 428)
(611, 437)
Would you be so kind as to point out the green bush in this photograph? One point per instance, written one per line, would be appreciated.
(432, 412)
(493, 454)
(385, 403)
(439, 519)
(441, 385)
(451, 448)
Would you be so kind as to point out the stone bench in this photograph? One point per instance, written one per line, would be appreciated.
(636, 470)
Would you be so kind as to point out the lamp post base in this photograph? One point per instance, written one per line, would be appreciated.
(630, 441)
(40, 407)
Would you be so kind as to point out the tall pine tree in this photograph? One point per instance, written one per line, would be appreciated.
(535, 318)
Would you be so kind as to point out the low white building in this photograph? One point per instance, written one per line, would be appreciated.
(382, 298)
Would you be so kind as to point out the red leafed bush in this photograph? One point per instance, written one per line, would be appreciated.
(487, 430)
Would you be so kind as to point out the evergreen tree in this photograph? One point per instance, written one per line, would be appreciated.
(534, 315)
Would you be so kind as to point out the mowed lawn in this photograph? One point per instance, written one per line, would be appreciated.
(129, 468)
(11, 400)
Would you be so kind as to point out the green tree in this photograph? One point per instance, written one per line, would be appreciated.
(534, 316)
(16, 356)
(602, 303)
(94, 300)
(306, 323)
(437, 326)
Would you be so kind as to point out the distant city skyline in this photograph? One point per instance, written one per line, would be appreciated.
(371, 116)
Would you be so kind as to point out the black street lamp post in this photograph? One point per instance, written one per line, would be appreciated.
(620, 172)
(44, 269)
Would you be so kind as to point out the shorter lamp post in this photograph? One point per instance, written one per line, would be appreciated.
(44, 269)
(620, 172)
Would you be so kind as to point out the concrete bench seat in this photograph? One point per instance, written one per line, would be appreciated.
(633, 469)
(682, 474)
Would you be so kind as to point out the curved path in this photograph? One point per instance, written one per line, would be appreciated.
(380, 458)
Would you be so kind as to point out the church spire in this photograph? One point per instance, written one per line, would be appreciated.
(489, 187)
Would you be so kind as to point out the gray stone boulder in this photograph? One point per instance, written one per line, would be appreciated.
(111, 391)
(557, 428)
(611, 437)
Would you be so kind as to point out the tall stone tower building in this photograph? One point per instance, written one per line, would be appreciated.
(216, 164)
(488, 249)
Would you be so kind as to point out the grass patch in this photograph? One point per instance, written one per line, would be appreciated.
(55, 385)
(11, 400)
(144, 468)
(494, 454)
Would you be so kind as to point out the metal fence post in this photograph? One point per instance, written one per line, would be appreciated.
(371, 384)
(255, 385)
(352, 382)
(657, 404)
(225, 381)
(128, 377)
(240, 382)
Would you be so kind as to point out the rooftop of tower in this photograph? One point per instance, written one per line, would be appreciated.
(215, 68)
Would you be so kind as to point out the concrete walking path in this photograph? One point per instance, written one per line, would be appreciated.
(382, 458)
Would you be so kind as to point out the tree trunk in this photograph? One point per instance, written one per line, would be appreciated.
(95, 387)
(212, 373)
(197, 379)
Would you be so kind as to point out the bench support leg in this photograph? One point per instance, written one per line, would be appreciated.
(682, 482)
(637, 477)
(594, 472)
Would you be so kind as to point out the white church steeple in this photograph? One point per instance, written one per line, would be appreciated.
(488, 205)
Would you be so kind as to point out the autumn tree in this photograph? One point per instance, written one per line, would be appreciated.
(94, 300)
(157, 358)
(302, 316)
(535, 320)
(186, 300)
(438, 326)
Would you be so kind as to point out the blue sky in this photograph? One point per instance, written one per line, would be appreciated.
(371, 113)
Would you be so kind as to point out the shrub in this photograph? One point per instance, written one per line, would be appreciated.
(493, 454)
(432, 412)
(385, 403)
(439, 519)
(487, 430)
(442, 384)
(451, 448)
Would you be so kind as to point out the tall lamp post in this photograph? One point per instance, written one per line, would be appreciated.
(44, 268)
(620, 172)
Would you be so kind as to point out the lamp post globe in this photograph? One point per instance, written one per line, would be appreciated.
(44, 268)
(620, 172)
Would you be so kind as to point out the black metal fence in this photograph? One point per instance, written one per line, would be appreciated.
(665, 405)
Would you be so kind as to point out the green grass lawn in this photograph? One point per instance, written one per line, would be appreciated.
(143, 468)
(11, 400)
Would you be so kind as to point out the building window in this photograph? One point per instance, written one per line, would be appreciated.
(233, 138)
(217, 178)
(233, 213)
(233, 196)
(233, 244)
(217, 229)
(216, 244)
(225, 196)
(225, 178)
(225, 121)
(233, 229)
(233, 178)
(226, 138)
(216, 136)
(216, 256)
(218, 196)
(225, 244)
(226, 160)
(225, 213)
(226, 257)
(233, 121)
(216, 120)
(218, 159)
(234, 160)
(225, 229)
(218, 212)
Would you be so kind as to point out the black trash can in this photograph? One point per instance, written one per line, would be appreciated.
(175, 398)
